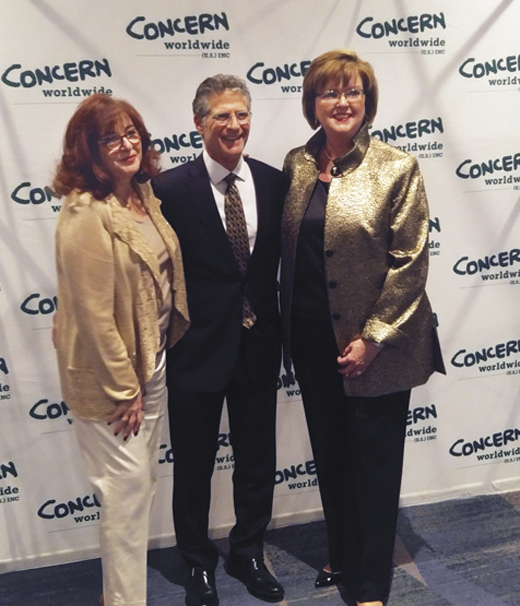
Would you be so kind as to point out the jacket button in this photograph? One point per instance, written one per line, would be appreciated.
(336, 316)
(332, 284)
(329, 253)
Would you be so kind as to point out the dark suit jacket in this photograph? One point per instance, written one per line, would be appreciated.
(204, 359)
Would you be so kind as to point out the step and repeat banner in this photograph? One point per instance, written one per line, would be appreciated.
(449, 76)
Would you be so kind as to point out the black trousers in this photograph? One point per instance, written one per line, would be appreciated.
(358, 446)
(194, 429)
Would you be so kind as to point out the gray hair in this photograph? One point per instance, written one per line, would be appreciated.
(216, 85)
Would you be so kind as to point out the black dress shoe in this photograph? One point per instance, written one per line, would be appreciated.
(201, 590)
(255, 576)
(326, 578)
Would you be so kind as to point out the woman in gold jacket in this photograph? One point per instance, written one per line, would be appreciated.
(122, 301)
(357, 321)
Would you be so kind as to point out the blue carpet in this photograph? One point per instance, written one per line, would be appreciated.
(459, 553)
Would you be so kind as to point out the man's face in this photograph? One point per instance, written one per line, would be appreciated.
(226, 128)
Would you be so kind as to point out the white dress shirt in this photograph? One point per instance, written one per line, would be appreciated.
(246, 189)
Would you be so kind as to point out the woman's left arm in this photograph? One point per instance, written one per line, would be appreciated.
(404, 285)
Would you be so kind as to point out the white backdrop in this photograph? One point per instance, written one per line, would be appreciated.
(449, 75)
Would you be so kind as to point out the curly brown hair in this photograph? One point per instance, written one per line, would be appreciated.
(81, 167)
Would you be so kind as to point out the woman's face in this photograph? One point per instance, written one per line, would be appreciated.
(121, 150)
(341, 116)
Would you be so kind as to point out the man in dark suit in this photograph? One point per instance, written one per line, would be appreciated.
(229, 231)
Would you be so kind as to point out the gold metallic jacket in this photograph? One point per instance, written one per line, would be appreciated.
(107, 329)
(375, 256)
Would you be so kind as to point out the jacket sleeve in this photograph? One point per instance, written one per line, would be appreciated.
(86, 274)
(404, 286)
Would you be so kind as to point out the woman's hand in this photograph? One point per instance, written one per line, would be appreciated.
(128, 416)
(357, 357)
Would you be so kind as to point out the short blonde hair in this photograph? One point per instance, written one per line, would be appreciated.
(339, 66)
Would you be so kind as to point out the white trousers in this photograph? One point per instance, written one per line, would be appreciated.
(124, 476)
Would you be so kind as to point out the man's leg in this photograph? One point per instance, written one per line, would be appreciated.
(252, 423)
(251, 401)
(194, 426)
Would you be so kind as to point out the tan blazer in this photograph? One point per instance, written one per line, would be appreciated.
(107, 331)
(376, 259)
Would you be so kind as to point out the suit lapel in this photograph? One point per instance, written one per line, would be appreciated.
(262, 204)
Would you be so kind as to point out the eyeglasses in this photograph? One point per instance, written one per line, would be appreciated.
(113, 141)
(333, 96)
(225, 117)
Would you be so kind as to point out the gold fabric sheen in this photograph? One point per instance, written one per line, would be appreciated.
(109, 297)
(236, 229)
(376, 258)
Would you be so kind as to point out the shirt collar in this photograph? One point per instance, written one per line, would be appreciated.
(352, 159)
(217, 172)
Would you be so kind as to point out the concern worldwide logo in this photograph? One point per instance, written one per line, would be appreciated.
(189, 28)
(63, 76)
(36, 304)
(501, 267)
(409, 137)
(490, 360)
(4, 387)
(44, 410)
(179, 147)
(499, 447)
(29, 195)
(288, 75)
(223, 461)
(297, 477)
(434, 228)
(412, 31)
(419, 423)
(492, 171)
(8, 493)
(497, 71)
(80, 509)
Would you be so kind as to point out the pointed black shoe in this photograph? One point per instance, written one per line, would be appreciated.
(326, 579)
(255, 576)
(201, 590)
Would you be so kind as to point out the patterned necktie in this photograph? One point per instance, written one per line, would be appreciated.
(236, 228)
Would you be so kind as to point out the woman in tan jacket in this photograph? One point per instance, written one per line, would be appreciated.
(356, 317)
(122, 301)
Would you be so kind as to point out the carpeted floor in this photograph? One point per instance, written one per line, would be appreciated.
(461, 553)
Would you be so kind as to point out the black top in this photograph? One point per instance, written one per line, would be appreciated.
(310, 291)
